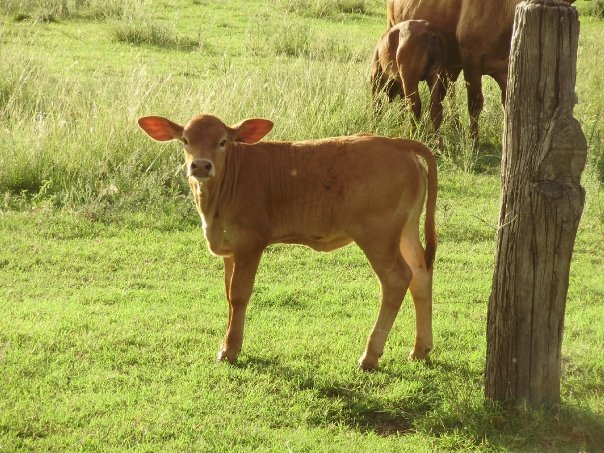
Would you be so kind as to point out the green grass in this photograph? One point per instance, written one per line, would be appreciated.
(325, 8)
(112, 310)
(59, 10)
(138, 33)
(293, 39)
(109, 332)
(596, 9)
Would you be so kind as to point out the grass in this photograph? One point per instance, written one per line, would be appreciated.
(596, 9)
(137, 33)
(58, 10)
(109, 332)
(112, 310)
(325, 8)
(297, 40)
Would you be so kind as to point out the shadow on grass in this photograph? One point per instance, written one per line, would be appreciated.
(488, 159)
(482, 422)
(351, 401)
(365, 413)
(439, 409)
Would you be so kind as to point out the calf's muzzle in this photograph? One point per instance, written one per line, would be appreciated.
(201, 168)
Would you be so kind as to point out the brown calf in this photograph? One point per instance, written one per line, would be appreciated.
(408, 53)
(320, 193)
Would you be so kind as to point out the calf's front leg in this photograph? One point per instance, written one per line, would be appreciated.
(229, 264)
(240, 272)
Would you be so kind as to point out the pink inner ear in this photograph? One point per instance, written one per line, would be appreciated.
(160, 129)
(253, 130)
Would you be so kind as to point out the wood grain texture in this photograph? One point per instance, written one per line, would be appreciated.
(544, 153)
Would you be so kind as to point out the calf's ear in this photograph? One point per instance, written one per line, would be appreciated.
(160, 128)
(252, 130)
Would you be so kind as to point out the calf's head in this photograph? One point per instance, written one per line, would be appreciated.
(205, 139)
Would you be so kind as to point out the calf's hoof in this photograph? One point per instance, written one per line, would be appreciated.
(419, 353)
(367, 364)
(226, 356)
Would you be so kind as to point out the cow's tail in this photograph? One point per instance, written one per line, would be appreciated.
(390, 14)
(430, 222)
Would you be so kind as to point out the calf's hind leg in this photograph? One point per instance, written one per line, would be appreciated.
(421, 291)
(394, 276)
(411, 90)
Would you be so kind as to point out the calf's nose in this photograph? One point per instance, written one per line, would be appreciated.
(201, 168)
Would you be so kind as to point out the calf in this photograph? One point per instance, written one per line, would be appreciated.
(408, 53)
(320, 193)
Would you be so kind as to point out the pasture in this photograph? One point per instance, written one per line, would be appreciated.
(112, 309)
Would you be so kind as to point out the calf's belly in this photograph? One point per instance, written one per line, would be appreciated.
(320, 244)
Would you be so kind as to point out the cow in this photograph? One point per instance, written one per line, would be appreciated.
(409, 52)
(323, 194)
(483, 30)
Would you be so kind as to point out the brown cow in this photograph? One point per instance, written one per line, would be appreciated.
(483, 29)
(408, 53)
(320, 193)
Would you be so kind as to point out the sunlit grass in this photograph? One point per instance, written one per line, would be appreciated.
(55, 10)
(325, 8)
(112, 310)
(155, 34)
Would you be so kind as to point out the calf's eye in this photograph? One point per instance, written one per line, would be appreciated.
(222, 143)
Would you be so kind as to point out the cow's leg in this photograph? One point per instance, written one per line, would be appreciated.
(452, 76)
(394, 276)
(473, 79)
(242, 282)
(438, 90)
(421, 290)
(502, 79)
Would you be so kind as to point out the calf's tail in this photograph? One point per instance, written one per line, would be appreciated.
(430, 222)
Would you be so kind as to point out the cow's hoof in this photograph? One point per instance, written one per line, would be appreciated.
(419, 353)
(226, 356)
(366, 364)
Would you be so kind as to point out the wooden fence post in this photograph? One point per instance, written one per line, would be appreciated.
(544, 153)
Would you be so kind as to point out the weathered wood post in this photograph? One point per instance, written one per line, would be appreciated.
(544, 153)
